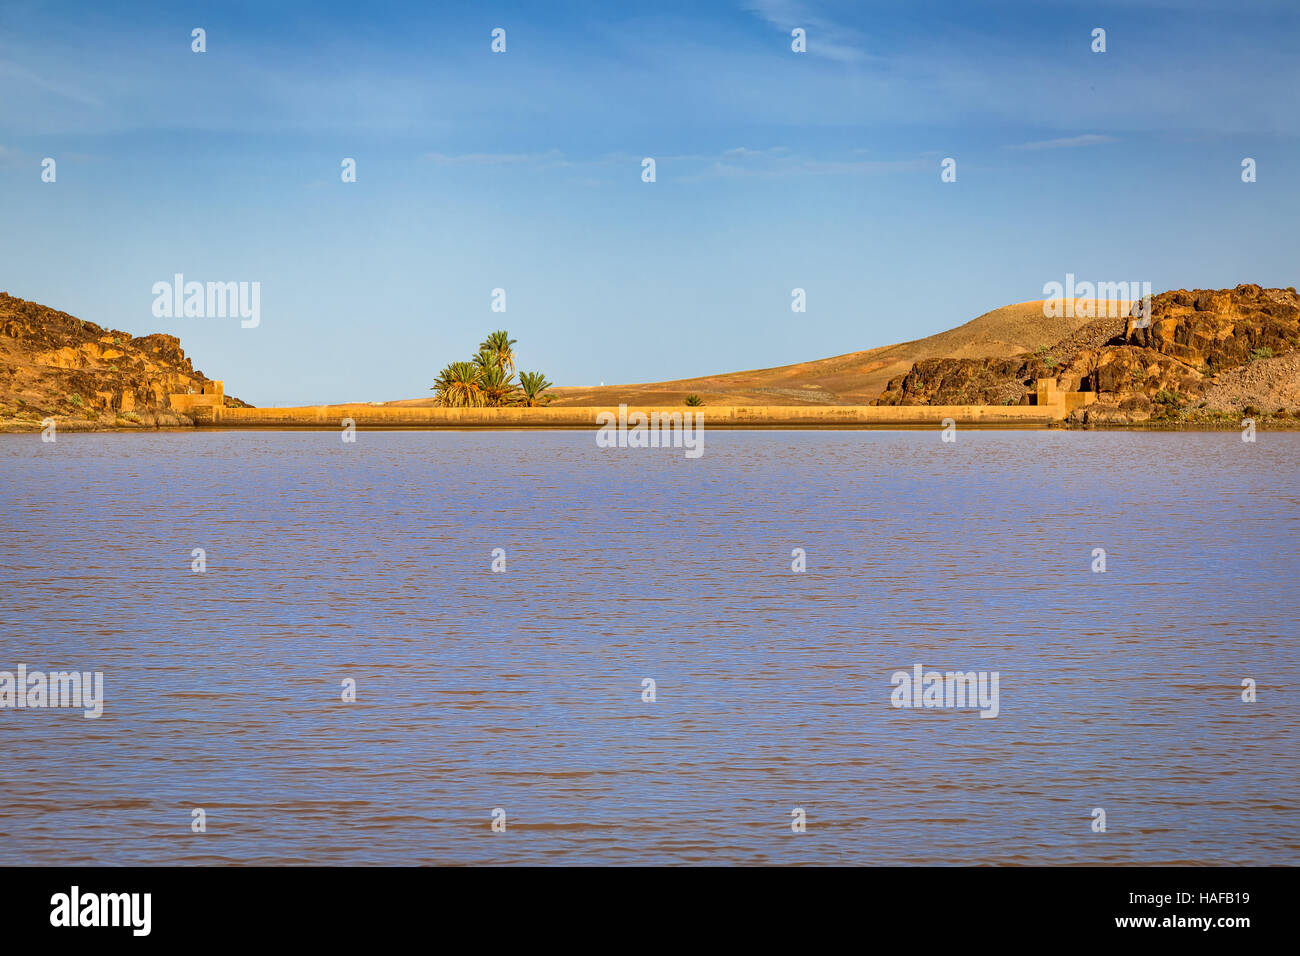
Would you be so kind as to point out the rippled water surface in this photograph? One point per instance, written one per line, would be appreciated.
(522, 690)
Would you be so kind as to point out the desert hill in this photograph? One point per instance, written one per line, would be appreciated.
(55, 365)
(856, 378)
(1204, 352)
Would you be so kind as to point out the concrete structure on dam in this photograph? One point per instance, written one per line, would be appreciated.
(1050, 405)
(211, 396)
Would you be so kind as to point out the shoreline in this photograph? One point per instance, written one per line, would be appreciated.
(582, 418)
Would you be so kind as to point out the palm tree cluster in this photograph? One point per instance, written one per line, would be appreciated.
(488, 379)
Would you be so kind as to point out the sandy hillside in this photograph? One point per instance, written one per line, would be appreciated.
(853, 379)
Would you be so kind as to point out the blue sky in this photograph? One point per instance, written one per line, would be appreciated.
(522, 171)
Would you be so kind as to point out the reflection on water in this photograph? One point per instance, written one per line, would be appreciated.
(522, 690)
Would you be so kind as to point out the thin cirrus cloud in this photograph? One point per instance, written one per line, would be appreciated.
(781, 161)
(1068, 142)
(550, 158)
(824, 37)
(739, 161)
(11, 71)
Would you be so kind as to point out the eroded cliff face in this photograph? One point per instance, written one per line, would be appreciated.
(1203, 351)
(54, 365)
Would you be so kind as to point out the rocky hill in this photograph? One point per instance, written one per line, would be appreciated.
(1204, 353)
(54, 365)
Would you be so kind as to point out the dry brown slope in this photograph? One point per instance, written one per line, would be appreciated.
(852, 379)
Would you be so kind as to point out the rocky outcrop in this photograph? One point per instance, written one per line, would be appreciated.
(1193, 342)
(1220, 329)
(1000, 381)
(54, 365)
(990, 381)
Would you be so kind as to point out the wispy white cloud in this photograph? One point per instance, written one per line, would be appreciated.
(825, 38)
(550, 158)
(17, 72)
(743, 152)
(781, 161)
(1068, 142)
(736, 162)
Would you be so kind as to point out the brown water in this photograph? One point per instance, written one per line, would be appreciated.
(522, 690)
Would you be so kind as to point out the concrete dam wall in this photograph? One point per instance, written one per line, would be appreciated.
(1052, 405)
(732, 416)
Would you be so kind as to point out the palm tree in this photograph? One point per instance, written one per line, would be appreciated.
(502, 347)
(533, 384)
(440, 384)
(488, 379)
(498, 388)
(458, 386)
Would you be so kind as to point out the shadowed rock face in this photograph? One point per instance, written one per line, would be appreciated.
(989, 381)
(55, 365)
(1195, 342)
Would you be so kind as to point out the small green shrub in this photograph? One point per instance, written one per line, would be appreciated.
(694, 400)
(1261, 353)
(77, 400)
